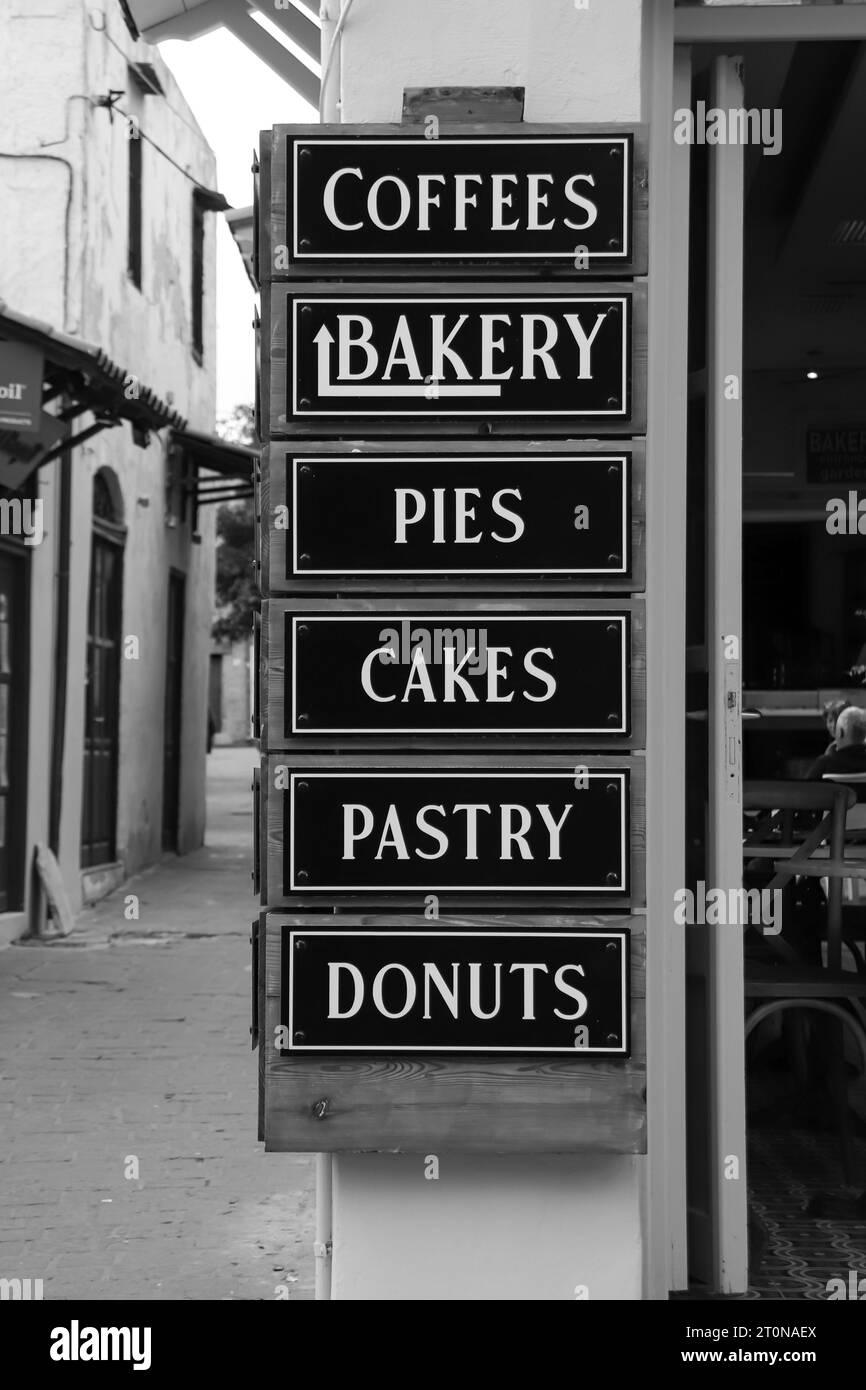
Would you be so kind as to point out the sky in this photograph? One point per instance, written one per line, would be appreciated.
(233, 95)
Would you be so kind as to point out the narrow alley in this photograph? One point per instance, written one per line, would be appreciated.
(130, 1167)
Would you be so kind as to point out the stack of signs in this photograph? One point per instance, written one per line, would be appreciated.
(452, 656)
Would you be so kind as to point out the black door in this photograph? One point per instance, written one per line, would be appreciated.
(102, 704)
(13, 730)
(171, 737)
(215, 692)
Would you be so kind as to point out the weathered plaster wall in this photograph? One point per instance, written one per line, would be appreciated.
(63, 258)
(236, 701)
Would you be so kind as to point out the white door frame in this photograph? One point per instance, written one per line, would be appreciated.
(734, 26)
(664, 1190)
(724, 635)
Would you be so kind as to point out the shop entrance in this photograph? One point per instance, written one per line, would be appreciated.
(102, 709)
(172, 730)
(776, 632)
(13, 727)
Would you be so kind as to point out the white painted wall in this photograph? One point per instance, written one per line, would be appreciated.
(552, 1229)
(576, 64)
(506, 1228)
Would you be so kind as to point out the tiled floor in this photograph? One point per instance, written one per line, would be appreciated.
(805, 1226)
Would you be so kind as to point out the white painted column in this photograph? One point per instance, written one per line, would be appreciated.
(558, 1227)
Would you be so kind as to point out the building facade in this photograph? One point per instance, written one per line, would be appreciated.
(107, 281)
(232, 679)
(754, 369)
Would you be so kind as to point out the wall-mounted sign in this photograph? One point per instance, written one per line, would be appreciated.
(400, 354)
(836, 454)
(448, 672)
(321, 1092)
(446, 515)
(360, 196)
(473, 830)
(23, 451)
(21, 371)
(515, 354)
(483, 991)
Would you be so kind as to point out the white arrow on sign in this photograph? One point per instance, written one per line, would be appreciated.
(324, 339)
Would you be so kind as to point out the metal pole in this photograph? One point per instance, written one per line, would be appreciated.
(322, 1246)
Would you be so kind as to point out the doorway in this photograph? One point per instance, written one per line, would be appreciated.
(215, 694)
(102, 681)
(171, 754)
(777, 431)
(13, 728)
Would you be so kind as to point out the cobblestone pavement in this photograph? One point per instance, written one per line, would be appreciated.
(129, 1164)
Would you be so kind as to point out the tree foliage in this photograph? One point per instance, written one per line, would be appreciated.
(237, 595)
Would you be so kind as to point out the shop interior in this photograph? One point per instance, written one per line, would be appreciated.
(803, 650)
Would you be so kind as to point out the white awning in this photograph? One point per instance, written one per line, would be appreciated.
(286, 37)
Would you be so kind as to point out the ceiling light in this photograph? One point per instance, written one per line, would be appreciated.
(811, 376)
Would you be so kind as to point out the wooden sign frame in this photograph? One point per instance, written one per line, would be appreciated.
(274, 893)
(277, 197)
(399, 1102)
(277, 547)
(468, 613)
(278, 328)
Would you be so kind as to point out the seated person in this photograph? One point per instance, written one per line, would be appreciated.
(832, 710)
(849, 753)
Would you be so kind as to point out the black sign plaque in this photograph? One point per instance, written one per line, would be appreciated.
(503, 353)
(563, 516)
(475, 831)
(484, 991)
(836, 454)
(353, 196)
(428, 672)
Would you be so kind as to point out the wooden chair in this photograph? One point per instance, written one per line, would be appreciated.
(854, 886)
(783, 978)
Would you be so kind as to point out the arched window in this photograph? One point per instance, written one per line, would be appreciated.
(108, 512)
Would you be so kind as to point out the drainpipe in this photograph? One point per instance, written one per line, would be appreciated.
(322, 1245)
(333, 15)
